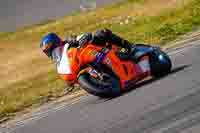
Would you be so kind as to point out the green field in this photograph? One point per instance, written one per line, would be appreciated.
(28, 77)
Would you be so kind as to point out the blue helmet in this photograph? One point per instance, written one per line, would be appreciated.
(49, 43)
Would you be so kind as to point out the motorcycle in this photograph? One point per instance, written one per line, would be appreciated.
(108, 71)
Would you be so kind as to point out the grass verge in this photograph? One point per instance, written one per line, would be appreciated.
(28, 77)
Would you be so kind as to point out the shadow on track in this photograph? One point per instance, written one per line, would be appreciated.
(151, 80)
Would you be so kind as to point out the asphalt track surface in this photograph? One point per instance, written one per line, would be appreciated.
(166, 105)
(18, 13)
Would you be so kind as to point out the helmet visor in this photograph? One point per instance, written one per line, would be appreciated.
(47, 49)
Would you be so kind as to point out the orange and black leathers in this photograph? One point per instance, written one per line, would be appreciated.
(100, 38)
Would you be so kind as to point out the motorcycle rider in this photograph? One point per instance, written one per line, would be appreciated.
(56, 49)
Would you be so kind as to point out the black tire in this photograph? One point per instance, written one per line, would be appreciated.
(160, 67)
(95, 86)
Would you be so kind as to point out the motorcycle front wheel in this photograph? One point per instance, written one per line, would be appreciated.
(108, 86)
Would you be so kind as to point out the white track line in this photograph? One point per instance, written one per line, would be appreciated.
(40, 115)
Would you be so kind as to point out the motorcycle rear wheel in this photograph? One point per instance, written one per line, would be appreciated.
(160, 64)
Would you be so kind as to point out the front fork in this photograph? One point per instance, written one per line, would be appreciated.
(93, 73)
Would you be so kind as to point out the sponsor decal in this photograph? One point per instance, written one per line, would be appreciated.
(108, 61)
(93, 53)
(100, 57)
